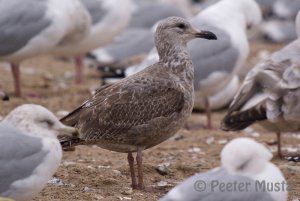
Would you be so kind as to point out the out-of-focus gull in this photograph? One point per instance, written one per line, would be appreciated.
(216, 64)
(245, 167)
(145, 109)
(109, 18)
(30, 28)
(286, 9)
(30, 152)
(279, 31)
(279, 25)
(270, 94)
(130, 43)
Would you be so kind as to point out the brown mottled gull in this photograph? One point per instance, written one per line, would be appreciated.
(270, 94)
(146, 108)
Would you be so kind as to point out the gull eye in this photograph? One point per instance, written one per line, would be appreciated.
(49, 123)
(181, 26)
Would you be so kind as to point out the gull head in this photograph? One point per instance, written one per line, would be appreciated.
(245, 156)
(177, 30)
(252, 13)
(37, 121)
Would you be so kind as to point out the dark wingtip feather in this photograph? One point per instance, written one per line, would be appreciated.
(236, 121)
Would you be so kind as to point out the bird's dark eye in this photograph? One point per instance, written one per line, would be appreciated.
(181, 26)
(49, 123)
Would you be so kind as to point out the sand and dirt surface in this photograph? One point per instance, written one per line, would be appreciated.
(92, 173)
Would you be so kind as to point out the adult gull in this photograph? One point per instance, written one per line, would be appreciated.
(244, 173)
(145, 109)
(31, 28)
(30, 152)
(270, 94)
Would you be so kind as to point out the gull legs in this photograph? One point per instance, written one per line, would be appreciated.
(17, 81)
(208, 113)
(131, 167)
(279, 145)
(139, 160)
(79, 70)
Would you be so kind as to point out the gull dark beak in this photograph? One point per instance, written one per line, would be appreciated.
(206, 34)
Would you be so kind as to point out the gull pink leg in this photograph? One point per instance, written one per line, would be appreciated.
(131, 167)
(139, 160)
(279, 145)
(17, 80)
(79, 70)
(208, 113)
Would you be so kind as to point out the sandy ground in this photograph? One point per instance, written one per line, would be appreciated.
(92, 173)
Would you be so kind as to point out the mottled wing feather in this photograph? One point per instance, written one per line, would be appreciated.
(20, 22)
(19, 156)
(120, 108)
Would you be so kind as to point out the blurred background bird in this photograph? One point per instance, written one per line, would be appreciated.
(30, 152)
(270, 94)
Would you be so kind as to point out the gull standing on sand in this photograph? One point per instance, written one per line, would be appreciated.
(30, 28)
(245, 169)
(30, 152)
(270, 94)
(145, 109)
(217, 64)
(109, 18)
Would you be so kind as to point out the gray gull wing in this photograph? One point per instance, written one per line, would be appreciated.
(209, 58)
(131, 42)
(20, 154)
(20, 22)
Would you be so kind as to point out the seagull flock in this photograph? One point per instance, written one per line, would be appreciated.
(191, 59)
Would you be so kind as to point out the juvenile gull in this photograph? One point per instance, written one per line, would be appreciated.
(216, 64)
(243, 162)
(147, 108)
(270, 94)
(30, 152)
(31, 28)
